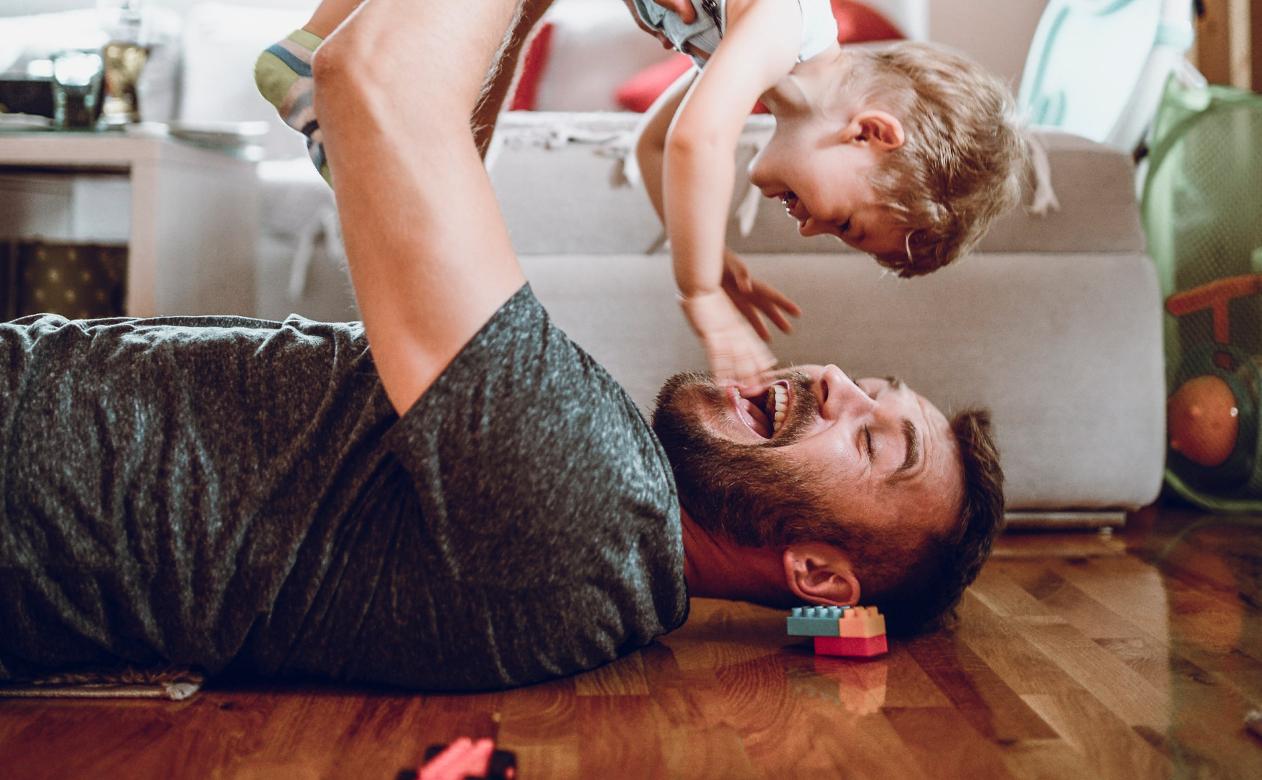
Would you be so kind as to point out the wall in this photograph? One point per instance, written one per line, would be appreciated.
(18, 7)
(997, 33)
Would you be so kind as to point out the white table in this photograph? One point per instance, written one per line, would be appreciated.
(193, 214)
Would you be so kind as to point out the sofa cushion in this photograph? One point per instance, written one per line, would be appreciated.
(1064, 349)
(1098, 210)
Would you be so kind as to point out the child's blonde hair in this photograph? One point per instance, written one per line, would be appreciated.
(963, 157)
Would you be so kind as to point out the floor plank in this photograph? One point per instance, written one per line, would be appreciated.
(1133, 654)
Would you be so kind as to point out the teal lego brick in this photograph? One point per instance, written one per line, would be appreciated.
(815, 621)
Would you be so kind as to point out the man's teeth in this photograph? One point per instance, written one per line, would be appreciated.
(777, 405)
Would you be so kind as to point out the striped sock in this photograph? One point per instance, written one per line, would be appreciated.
(283, 76)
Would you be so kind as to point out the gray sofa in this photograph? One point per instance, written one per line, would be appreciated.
(1054, 324)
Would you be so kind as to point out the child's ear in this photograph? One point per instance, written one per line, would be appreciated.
(880, 129)
(820, 573)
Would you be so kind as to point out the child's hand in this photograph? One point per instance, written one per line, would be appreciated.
(735, 352)
(752, 296)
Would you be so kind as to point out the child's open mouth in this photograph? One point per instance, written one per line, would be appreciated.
(795, 208)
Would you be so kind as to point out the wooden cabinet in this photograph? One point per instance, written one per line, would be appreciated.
(189, 215)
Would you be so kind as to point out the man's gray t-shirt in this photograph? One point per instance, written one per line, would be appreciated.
(240, 495)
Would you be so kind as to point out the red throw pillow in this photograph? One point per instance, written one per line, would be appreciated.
(531, 72)
(856, 23)
(638, 92)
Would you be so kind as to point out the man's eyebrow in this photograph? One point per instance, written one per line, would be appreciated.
(912, 436)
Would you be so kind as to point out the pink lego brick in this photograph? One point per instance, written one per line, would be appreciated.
(865, 647)
(861, 623)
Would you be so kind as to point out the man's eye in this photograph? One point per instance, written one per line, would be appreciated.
(867, 435)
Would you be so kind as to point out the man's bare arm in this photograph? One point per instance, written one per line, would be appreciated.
(429, 254)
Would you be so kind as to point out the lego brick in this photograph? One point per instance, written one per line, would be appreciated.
(864, 647)
(815, 621)
(501, 766)
(861, 623)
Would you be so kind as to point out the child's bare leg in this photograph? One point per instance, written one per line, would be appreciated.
(502, 77)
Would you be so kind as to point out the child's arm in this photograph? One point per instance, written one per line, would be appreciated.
(759, 48)
(650, 144)
(754, 299)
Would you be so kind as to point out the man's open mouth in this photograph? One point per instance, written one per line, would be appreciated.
(765, 412)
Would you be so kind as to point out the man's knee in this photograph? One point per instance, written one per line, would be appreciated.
(330, 63)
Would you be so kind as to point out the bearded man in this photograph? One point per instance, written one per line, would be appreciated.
(451, 495)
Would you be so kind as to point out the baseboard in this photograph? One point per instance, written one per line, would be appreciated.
(1076, 520)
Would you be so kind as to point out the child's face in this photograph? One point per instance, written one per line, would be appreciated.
(825, 185)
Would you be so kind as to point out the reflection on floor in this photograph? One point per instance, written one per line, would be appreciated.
(1136, 654)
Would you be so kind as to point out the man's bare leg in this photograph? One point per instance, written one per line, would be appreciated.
(429, 254)
(329, 15)
(501, 80)
(284, 79)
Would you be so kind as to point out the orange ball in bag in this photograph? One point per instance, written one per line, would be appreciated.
(1203, 420)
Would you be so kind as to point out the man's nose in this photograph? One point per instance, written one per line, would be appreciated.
(841, 396)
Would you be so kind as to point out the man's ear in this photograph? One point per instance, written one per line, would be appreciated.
(880, 129)
(820, 573)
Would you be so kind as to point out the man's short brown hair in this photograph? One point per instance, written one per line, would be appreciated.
(936, 574)
(915, 576)
(917, 580)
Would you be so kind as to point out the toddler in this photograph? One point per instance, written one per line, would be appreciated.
(905, 152)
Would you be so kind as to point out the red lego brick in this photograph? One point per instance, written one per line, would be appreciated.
(864, 647)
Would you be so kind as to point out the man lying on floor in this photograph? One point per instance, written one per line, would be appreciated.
(452, 495)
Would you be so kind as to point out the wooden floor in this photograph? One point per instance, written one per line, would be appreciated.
(1078, 656)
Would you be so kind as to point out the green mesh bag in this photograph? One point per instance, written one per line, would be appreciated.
(1202, 211)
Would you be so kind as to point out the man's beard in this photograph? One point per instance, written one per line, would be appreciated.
(739, 492)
